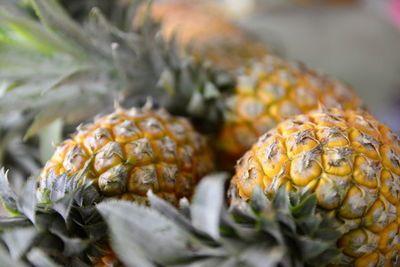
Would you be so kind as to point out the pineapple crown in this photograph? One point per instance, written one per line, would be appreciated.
(56, 69)
(61, 231)
(65, 62)
(285, 231)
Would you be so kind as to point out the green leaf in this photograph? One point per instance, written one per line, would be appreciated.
(208, 201)
(310, 248)
(63, 206)
(6, 261)
(40, 259)
(196, 104)
(56, 18)
(306, 207)
(281, 199)
(327, 234)
(144, 234)
(258, 256)
(26, 202)
(211, 91)
(169, 211)
(6, 193)
(19, 240)
(73, 246)
(259, 200)
(61, 108)
(52, 134)
(329, 256)
(11, 222)
(34, 35)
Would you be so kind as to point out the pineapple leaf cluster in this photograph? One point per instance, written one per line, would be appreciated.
(56, 67)
(64, 229)
(284, 231)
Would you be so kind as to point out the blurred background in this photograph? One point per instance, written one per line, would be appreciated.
(355, 41)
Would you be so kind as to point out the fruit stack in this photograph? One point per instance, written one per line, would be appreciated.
(236, 158)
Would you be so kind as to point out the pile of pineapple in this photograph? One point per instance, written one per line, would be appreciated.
(224, 155)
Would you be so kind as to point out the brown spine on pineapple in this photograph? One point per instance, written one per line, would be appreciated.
(269, 91)
(203, 26)
(352, 163)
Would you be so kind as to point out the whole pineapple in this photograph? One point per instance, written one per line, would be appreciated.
(128, 152)
(351, 162)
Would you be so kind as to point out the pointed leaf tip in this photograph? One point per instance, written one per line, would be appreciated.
(26, 202)
(281, 199)
(306, 208)
(7, 195)
(258, 199)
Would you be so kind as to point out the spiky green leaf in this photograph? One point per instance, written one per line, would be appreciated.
(19, 240)
(26, 202)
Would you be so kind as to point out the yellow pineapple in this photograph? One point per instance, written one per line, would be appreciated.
(351, 162)
(128, 152)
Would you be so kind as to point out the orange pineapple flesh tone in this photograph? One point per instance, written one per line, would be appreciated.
(352, 163)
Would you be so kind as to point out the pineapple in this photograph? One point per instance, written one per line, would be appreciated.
(202, 26)
(269, 91)
(128, 152)
(352, 164)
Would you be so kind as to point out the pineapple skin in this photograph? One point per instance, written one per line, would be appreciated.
(128, 152)
(352, 163)
(267, 92)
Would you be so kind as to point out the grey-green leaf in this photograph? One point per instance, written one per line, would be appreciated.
(208, 201)
(40, 259)
(19, 240)
(27, 199)
(6, 261)
(144, 234)
(11, 222)
(258, 199)
(6, 193)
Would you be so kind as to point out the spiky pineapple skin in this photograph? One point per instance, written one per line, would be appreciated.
(128, 152)
(352, 163)
(270, 90)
